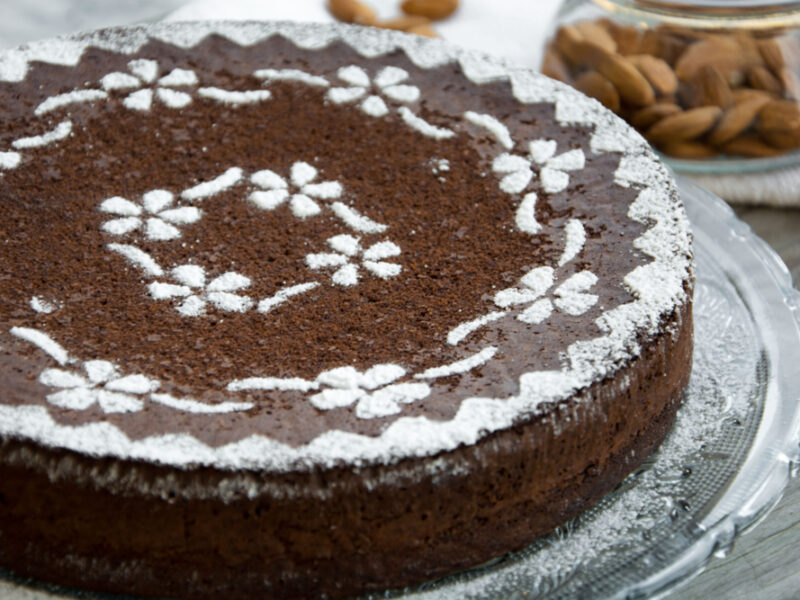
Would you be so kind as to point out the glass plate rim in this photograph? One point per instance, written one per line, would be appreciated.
(774, 456)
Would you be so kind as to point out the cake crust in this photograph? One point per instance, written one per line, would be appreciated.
(441, 383)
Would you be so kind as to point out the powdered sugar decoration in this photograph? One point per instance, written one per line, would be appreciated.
(74, 97)
(276, 190)
(195, 292)
(374, 390)
(554, 171)
(138, 258)
(42, 306)
(348, 256)
(213, 187)
(58, 133)
(493, 126)
(142, 78)
(99, 384)
(270, 75)
(571, 297)
(9, 160)
(156, 216)
(42, 341)
(370, 94)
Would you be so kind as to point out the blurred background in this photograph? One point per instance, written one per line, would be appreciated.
(26, 20)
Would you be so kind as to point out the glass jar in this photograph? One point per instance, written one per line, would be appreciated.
(714, 85)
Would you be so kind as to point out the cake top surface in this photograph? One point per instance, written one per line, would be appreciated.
(279, 246)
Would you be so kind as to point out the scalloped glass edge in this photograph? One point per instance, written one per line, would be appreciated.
(774, 457)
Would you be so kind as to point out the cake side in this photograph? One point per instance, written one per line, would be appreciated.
(341, 532)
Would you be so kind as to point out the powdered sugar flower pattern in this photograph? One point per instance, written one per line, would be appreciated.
(348, 255)
(571, 297)
(299, 190)
(156, 215)
(554, 170)
(375, 390)
(388, 82)
(196, 292)
(101, 384)
(143, 79)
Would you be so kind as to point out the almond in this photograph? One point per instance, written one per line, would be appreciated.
(708, 87)
(736, 119)
(432, 9)
(352, 11)
(403, 23)
(750, 146)
(645, 117)
(657, 72)
(772, 54)
(575, 49)
(594, 33)
(632, 86)
(595, 85)
(684, 126)
(761, 79)
(661, 45)
(684, 149)
(745, 94)
(554, 66)
(625, 36)
(730, 55)
(779, 124)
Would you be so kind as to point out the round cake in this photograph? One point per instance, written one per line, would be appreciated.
(297, 311)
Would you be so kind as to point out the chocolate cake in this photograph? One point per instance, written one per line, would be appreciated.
(295, 311)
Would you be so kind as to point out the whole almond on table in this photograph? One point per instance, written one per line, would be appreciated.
(657, 72)
(432, 9)
(424, 29)
(736, 119)
(598, 87)
(647, 116)
(403, 23)
(352, 11)
(684, 126)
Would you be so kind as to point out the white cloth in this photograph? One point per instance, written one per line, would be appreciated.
(514, 29)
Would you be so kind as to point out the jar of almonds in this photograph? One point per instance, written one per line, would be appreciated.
(709, 82)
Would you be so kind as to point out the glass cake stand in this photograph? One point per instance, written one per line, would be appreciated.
(735, 444)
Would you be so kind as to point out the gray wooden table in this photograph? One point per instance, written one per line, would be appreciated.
(765, 561)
